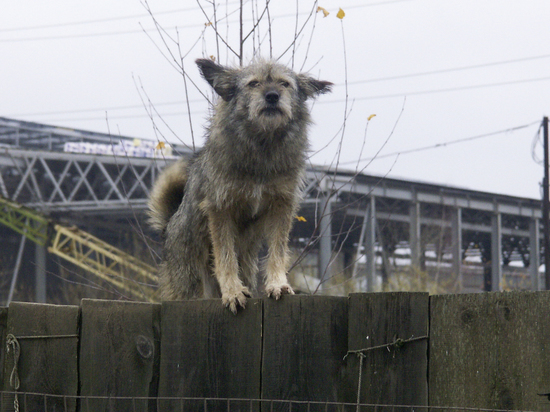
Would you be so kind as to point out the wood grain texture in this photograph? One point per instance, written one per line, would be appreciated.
(390, 375)
(119, 354)
(46, 365)
(487, 351)
(208, 352)
(490, 350)
(305, 341)
(3, 328)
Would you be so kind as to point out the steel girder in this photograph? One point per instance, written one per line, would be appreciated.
(38, 136)
(57, 181)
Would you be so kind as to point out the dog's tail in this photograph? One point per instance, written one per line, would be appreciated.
(167, 194)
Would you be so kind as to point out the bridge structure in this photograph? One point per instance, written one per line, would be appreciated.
(354, 227)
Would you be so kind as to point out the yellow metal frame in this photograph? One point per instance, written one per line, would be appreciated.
(24, 221)
(109, 263)
(105, 261)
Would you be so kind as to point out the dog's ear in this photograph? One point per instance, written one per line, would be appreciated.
(222, 79)
(311, 87)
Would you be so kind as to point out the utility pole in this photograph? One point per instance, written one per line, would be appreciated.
(546, 205)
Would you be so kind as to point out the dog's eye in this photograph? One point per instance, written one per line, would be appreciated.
(253, 83)
(284, 84)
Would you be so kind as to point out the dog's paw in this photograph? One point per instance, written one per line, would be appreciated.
(274, 290)
(234, 299)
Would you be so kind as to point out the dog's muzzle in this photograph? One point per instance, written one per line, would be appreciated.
(272, 97)
(272, 100)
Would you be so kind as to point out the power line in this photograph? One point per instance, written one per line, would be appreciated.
(449, 70)
(442, 144)
(78, 23)
(157, 13)
(451, 89)
(103, 109)
(537, 140)
(84, 35)
(123, 32)
(129, 116)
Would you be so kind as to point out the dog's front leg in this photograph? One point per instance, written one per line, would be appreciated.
(279, 223)
(226, 266)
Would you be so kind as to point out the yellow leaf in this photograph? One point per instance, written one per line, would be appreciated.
(301, 219)
(325, 12)
(160, 146)
(370, 117)
(208, 24)
(340, 14)
(212, 57)
(137, 142)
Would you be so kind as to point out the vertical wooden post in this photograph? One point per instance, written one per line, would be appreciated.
(305, 341)
(392, 374)
(119, 353)
(3, 328)
(489, 350)
(47, 336)
(208, 352)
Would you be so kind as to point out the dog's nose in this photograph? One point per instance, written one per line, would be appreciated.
(272, 97)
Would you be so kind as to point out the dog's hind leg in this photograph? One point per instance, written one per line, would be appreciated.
(186, 261)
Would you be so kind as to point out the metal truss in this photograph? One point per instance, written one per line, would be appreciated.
(25, 221)
(31, 135)
(105, 261)
(109, 263)
(321, 181)
(355, 203)
(56, 181)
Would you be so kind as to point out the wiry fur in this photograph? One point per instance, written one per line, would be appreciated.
(241, 188)
(167, 194)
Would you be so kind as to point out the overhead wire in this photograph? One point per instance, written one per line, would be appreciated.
(134, 31)
(442, 144)
(450, 89)
(104, 109)
(536, 140)
(421, 92)
(82, 22)
(448, 70)
(432, 72)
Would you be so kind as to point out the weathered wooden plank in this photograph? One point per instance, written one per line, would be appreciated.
(3, 327)
(48, 342)
(395, 374)
(305, 341)
(119, 354)
(208, 352)
(490, 350)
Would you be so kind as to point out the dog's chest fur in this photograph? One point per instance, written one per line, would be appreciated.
(249, 199)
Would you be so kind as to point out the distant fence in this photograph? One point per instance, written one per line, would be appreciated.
(303, 353)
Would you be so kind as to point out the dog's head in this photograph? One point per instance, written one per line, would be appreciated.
(266, 93)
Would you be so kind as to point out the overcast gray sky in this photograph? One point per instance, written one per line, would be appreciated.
(470, 78)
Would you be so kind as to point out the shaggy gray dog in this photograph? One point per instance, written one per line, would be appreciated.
(241, 188)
